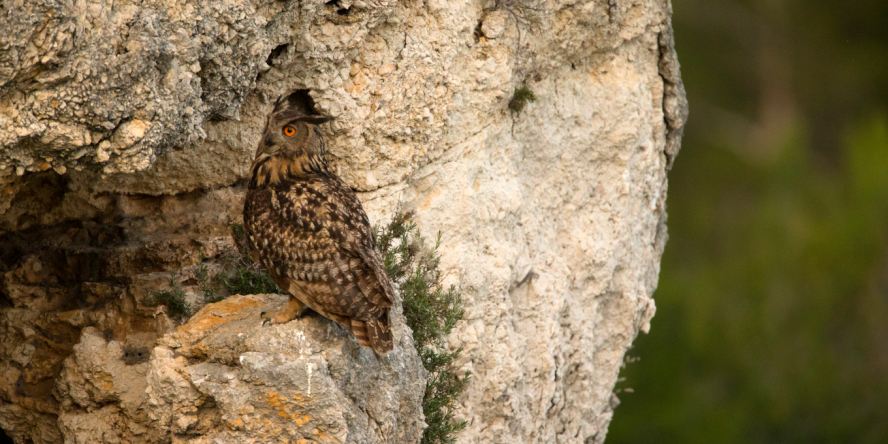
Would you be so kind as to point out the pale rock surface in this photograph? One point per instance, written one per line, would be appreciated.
(552, 220)
(494, 23)
(222, 378)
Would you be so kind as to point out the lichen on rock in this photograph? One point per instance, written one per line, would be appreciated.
(307, 379)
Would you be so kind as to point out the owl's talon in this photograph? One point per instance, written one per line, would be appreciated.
(290, 311)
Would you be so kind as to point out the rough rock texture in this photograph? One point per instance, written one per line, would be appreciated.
(127, 129)
(220, 378)
(84, 360)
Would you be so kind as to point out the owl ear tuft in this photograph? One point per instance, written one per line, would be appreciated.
(317, 120)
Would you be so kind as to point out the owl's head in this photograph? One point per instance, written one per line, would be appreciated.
(291, 129)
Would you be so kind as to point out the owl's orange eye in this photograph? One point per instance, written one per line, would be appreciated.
(289, 131)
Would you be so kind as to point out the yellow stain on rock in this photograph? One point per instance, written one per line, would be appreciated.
(429, 198)
(103, 381)
(320, 435)
(234, 424)
(356, 84)
(269, 430)
(284, 407)
(218, 313)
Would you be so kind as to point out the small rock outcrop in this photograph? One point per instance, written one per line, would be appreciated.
(222, 378)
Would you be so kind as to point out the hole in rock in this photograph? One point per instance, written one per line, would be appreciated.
(339, 10)
(272, 56)
(4, 438)
(133, 355)
(275, 53)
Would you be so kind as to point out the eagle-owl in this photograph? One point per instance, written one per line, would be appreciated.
(309, 230)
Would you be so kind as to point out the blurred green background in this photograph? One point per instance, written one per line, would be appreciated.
(772, 307)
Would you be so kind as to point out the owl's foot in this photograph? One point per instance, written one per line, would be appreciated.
(294, 309)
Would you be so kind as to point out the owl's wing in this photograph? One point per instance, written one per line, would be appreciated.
(319, 242)
(347, 207)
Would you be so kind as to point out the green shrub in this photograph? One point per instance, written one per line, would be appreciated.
(209, 290)
(520, 98)
(173, 299)
(246, 277)
(431, 312)
(250, 279)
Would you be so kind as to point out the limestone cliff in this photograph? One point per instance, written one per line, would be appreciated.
(127, 129)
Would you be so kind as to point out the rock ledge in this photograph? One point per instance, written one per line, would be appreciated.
(223, 377)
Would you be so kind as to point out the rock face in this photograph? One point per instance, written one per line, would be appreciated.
(127, 129)
(221, 378)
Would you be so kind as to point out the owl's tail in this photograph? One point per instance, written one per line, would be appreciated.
(374, 334)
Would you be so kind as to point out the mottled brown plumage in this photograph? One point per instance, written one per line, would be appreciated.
(309, 230)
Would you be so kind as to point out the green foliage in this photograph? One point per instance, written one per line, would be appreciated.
(240, 239)
(173, 299)
(250, 279)
(520, 98)
(245, 276)
(239, 276)
(209, 290)
(431, 312)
